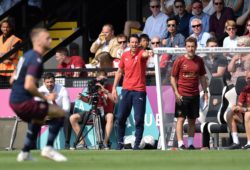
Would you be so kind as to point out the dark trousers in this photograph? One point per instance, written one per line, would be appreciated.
(129, 99)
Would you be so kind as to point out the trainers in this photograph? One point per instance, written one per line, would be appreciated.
(81, 146)
(24, 156)
(191, 147)
(182, 147)
(51, 153)
(246, 147)
(120, 146)
(234, 146)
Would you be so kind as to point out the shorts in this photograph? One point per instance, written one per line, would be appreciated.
(30, 109)
(188, 108)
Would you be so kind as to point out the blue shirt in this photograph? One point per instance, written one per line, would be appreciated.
(205, 22)
(156, 26)
(178, 40)
(183, 24)
(201, 39)
(29, 64)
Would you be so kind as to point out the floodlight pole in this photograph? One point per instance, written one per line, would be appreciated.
(159, 101)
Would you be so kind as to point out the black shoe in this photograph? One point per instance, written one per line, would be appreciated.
(234, 146)
(136, 148)
(246, 147)
(182, 147)
(119, 146)
(191, 147)
(66, 146)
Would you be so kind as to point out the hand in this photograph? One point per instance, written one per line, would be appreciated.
(102, 37)
(115, 95)
(178, 98)
(51, 96)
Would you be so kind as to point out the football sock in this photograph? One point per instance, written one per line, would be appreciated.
(190, 141)
(180, 143)
(235, 137)
(30, 140)
(54, 127)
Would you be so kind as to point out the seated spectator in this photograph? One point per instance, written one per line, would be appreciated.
(69, 62)
(122, 41)
(164, 58)
(201, 37)
(167, 6)
(231, 40)
(174, 39)
(197, 8)
(107, 106)
(247, 32)
(8, 41)
(106, 43)
(237, 64)
(156, 24)
(144, 41)
(183, 18)
(216, 63)
(240, 114)
(218, 19)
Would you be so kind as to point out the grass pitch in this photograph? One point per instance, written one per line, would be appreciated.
(133, 160)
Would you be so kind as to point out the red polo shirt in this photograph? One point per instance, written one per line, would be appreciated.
(135, 70)
(188, 72)
(244, 98)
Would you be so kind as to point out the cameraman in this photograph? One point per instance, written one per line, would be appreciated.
(105, 101)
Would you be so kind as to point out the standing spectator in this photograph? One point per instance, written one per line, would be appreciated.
(218, 19)
(231, 40)
(133, 66)
(62, 99)
(8, 41)
(197, 8)
(156, 24)
(183, 18)
(188, 70)
(69, 62)
(200, 36)
(24, 89)
(174, 39)
(106, 43)
(122, 41)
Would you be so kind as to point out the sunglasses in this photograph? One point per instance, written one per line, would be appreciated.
(231, 29)
(197, 7)
(171, 25)
(179, 6)
(155, 42)
(122, 42)
(194, 26)
(157, 6)
(218, 3)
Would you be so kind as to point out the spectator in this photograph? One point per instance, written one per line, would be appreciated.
(200, 36)
(188, 70)
(69, 62)
(240, 114)
(122, 41)
(197, 8)
(174, 39)
(167, 6)
(8, 41)
(231, 40)
(216, 63)
(237, 64)
(218, 19)
(183, 18)
(133, 66)
(106, 43)
(104, 94)
(156, 24)
(144, 41)
(62, 99)
(248, 28)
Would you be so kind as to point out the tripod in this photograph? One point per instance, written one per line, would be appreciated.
(97, 125)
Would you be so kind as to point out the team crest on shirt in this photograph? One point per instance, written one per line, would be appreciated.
(39, 60)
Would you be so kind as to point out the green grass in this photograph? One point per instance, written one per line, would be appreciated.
(133, 160)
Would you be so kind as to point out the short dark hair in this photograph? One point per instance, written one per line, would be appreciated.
(63, 50)
(222, 2)
(181, 1)
(144, 36)
(191, 39)
(196, 1)
(172, 18)
(101, 72)
(212, 39)
(48, 75)
(122, 36)
(133, 36)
